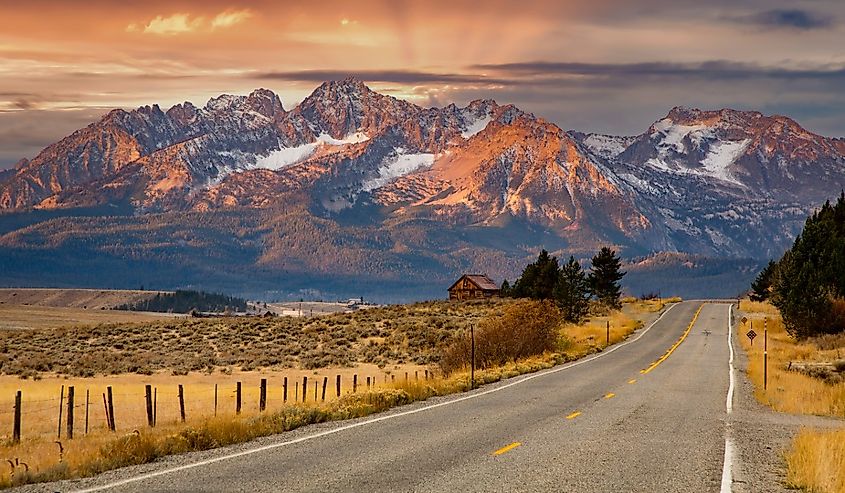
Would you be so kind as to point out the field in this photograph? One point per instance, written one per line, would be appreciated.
(89, 299)
(816, 461)
(397, 347)
(22, 317)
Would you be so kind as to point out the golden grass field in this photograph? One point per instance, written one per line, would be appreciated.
(816, 461)
(102, 450)
(20, 317)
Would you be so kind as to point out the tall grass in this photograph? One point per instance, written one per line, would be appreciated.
(816, 459)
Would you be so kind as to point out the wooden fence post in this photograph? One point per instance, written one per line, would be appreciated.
(215, 399)
(262, 395)
(238, 398)
(406, 377)
(325, 382)
(70, 395)
(285, 390)
(296, 392)
(148, 397)
(16, 433)
(181, 402)
(416, 375)
(337, 385)
(426, 374)
(354, 383)
(316, 388)
(304, 388)
(61, 408)
(368, 383)
(87, 403)
(106, 407)
(112, 424)
(155, 406)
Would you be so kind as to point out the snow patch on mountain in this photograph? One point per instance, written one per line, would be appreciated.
(353, 138)
(475, 126)
(397, 166)
(673, 135)
(607, 146)
(286, 156)
(721, 156)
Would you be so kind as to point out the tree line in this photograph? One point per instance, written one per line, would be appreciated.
(568, 285)
(187, 301)
(807, 284)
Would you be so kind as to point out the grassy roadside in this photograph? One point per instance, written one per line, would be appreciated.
(816, 459)
(102, 451)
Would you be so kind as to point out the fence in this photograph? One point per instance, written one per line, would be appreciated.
(80, 408)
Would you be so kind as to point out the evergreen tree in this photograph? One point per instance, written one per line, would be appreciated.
(605, 276)
(761, 285)
(572, 291)
(808, 283)
(538, 279)
(505, 290)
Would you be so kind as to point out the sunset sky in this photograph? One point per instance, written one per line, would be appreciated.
(600, 65)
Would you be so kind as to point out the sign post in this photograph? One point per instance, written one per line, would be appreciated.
(766, 353)
(751, 335)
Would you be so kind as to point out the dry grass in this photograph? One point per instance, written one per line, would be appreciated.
(816, 460)
(789, 391)
(24, 317)
(101, 450)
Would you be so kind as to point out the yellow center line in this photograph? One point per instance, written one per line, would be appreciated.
(507, 448)
(609, 395)
(675, 346)
(633, 380)
(574, 415)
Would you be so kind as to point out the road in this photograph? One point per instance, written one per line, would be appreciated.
(596, 425)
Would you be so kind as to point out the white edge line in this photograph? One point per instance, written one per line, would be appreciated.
(727, 465)
(263, 448)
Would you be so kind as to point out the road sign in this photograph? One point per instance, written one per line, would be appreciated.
(743, 320)
(751, 335)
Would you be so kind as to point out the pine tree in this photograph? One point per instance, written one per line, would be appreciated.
(761, 285)
(604, 278)
(572, 292)
(505, 290)
(538, 279)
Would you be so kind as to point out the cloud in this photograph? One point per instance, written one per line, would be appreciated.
(395, 76)
(174, 24)
(230, 18)
(713, 69)
(803, 20)
(182, 23)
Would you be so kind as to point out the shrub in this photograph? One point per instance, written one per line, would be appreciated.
(526, 328)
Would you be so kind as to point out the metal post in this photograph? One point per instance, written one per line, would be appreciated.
(472, 356)
(765, 354)
(87, 402)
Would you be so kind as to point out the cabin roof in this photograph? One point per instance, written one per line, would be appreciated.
(480, 280)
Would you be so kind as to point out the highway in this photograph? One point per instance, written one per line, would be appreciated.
(651, 414)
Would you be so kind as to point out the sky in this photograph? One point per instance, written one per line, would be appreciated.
(610, 66)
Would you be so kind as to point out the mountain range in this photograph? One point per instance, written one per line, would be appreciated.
(354, 192)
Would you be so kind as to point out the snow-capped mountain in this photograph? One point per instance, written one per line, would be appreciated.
(716, 183)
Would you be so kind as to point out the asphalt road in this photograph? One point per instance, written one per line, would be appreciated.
(598, 425)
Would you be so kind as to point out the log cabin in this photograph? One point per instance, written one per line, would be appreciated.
(473, 286)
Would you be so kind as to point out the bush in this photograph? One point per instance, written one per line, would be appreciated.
(527, 328)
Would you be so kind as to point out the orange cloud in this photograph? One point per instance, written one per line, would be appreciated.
(230, 18)
(174, 24)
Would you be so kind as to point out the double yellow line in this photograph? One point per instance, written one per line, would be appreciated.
(675, 346)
